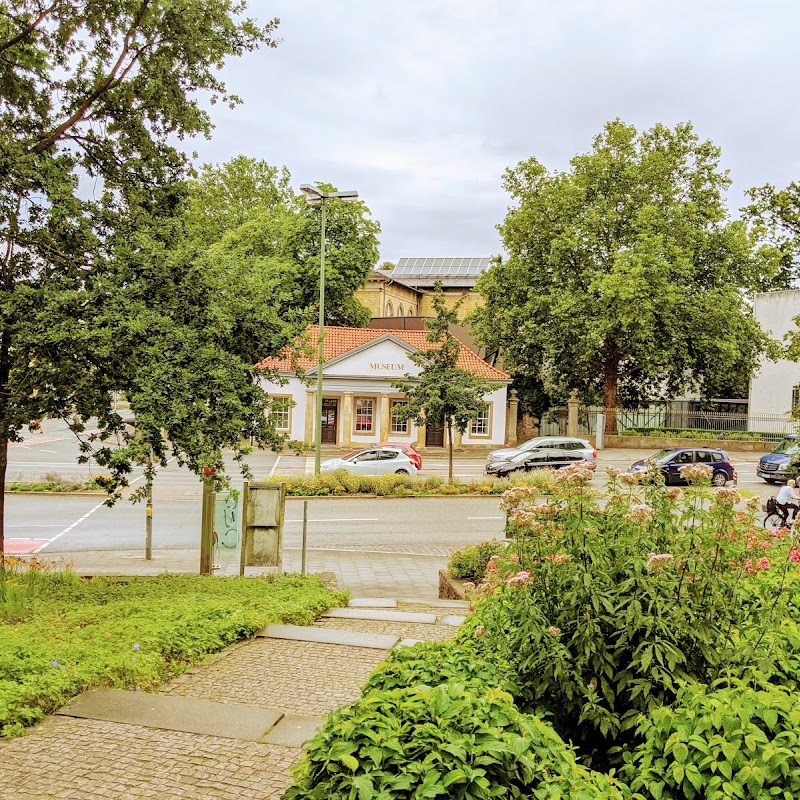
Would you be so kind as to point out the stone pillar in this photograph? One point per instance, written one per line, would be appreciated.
(421, 437)
(511, 418)
(572, 413)
(384, 416)
(311, 407)
(347, 421)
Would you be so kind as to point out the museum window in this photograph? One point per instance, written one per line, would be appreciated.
(365, 414)
(281, 412)
(399, 424)
(482, 424)
(389, 310)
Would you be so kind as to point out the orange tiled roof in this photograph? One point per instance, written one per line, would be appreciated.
(339, 341)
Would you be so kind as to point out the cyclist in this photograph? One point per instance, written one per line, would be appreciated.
(788, 499)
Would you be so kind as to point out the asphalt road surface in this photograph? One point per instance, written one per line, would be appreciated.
(62, 523)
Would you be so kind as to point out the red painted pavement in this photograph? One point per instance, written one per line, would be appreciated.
(20, 547)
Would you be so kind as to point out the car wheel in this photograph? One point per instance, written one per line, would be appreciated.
(770, 480)
(719, 478)
(401, 472)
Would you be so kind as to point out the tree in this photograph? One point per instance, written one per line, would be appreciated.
(775, 216)
(222, 197)
(280, 239)
(625, 278)
(92, 97)
(442, 393)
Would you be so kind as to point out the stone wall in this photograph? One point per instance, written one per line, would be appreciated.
(527, 427)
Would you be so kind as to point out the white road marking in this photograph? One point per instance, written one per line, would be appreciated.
(68, 529)
(274, 467)
(484, 517)
(343, 519)
(142, 477)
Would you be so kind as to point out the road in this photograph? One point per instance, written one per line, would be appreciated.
(63, 523)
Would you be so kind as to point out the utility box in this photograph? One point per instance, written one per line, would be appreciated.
(263, 506)
(226, 518)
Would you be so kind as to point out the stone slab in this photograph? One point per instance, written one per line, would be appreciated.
(440, 603)
(308, 633)
(380, 615)
(409, 642)
(372, 602)
(170, 712)
(452, 619)
(294, 730)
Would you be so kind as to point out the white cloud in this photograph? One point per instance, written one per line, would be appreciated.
(421, 105)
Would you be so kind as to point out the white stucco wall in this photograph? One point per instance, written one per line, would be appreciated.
(772, 385)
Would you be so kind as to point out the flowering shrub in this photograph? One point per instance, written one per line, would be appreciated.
(607, 609)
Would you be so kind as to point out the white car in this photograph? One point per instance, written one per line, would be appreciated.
(376, 461)
(567, 443)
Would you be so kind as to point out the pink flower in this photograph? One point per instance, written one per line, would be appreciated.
(554, 631)
(763, 563)
(794, 554)
(520, 577)
(480, 630)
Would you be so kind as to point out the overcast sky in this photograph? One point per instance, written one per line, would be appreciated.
(421, 105)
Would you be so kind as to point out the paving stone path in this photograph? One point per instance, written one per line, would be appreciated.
(93, 755)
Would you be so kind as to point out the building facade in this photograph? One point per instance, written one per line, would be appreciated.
(773, 389)
(359, 404)
(407, 290)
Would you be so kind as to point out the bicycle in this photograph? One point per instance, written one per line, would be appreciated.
(773, 520)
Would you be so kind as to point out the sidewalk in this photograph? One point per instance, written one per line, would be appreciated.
(364, 573)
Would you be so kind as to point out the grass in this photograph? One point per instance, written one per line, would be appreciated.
(61, 634)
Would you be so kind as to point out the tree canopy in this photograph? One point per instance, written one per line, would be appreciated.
(95, 296)
(626, 279)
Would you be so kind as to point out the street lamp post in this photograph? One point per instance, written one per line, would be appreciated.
(316, 197)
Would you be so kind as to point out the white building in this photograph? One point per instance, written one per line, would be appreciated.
(358, 401)
(773, 389)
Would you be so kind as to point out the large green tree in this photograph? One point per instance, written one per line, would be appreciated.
(271, 232)
(625, 277)
(442, 394)
(93, 96)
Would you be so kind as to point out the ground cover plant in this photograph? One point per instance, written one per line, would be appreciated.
(651, 631)
(60, 634)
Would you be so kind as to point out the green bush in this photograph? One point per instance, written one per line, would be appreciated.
(469, 563)
(432, 664)
(449, 740)
(734, 742)
(61, 635)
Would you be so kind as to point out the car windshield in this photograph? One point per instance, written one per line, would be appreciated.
(532, 444)
(787, 447)
(661, 454)
(355, 455)
(517, 457)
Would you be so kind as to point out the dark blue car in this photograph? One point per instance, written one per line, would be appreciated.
(673, 460)
(776, 467)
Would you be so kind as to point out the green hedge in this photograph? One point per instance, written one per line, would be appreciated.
(698, 433)
(344, 483)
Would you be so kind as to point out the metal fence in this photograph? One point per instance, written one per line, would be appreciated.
(682, 420)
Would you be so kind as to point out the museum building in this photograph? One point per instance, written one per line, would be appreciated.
(359, 404)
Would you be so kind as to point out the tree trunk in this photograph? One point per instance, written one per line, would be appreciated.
(611, 388)
(3, 467)
(450, 450)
